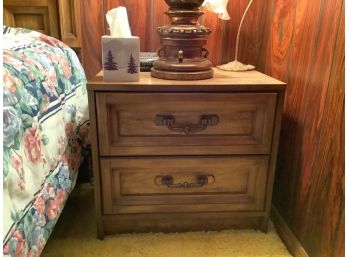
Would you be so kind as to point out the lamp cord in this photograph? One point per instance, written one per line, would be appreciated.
(239, 29)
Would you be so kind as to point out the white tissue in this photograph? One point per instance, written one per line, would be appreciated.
(218, 6)
(117, 19)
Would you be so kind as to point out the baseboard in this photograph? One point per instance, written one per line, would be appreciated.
(288, 237)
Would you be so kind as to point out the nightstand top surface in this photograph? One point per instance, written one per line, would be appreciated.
(222, 80)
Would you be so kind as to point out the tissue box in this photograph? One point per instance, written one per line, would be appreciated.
(121, 58)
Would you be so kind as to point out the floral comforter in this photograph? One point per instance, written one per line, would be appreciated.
(45, 114)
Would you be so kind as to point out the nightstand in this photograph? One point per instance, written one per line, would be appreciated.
(175, 156)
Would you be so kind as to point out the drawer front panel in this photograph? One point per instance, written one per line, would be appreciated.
(190, 123)
(146, 185)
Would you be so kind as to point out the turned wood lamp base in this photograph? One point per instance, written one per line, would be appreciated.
(182, 55)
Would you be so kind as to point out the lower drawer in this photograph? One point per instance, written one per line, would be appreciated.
(185, 184)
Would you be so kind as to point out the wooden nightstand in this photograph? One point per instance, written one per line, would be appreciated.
(184, 155)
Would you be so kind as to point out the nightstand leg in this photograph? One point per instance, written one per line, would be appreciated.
(264, 224)
(100, 231)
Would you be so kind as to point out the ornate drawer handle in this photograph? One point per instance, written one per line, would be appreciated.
(168, 181)
(187, 128)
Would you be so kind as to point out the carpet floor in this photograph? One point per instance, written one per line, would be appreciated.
(75, 236)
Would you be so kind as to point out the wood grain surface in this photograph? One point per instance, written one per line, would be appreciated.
(328, 167)
(160, 19)
(92, 30)
(135, 147)
(130, 185)
(140, 19)
(126, 123)
(253, 38)
(302, 43)
(182, 222)
(306, 51)
(216, 38)
(287, 236)
(146, 16)
(70, 22)
(39, 15)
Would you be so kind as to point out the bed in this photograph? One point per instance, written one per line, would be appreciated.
(45, 127)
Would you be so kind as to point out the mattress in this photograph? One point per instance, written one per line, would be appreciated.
(45, 127)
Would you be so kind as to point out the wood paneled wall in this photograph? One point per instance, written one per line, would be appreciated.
(302, 43)
(145, 16)
(92, 25)
(306, 49)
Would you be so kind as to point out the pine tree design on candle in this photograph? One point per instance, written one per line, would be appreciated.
(132, 67)
(110, 64)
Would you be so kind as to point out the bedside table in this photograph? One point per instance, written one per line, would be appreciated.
(184, 155)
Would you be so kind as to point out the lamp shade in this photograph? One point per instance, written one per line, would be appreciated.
(219, 7)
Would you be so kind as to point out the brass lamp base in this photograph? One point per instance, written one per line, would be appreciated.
(181, 75)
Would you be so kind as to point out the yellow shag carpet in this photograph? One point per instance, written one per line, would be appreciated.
(75, 236)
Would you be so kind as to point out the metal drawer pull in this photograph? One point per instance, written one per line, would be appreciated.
(168, 181)
(186, 128)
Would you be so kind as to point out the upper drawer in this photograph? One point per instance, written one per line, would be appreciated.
(185, 123)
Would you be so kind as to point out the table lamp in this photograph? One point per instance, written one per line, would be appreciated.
(236, 65)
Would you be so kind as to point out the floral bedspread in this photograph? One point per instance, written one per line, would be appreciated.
(45, 122)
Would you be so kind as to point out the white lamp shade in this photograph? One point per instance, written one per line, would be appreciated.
(219, 7)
